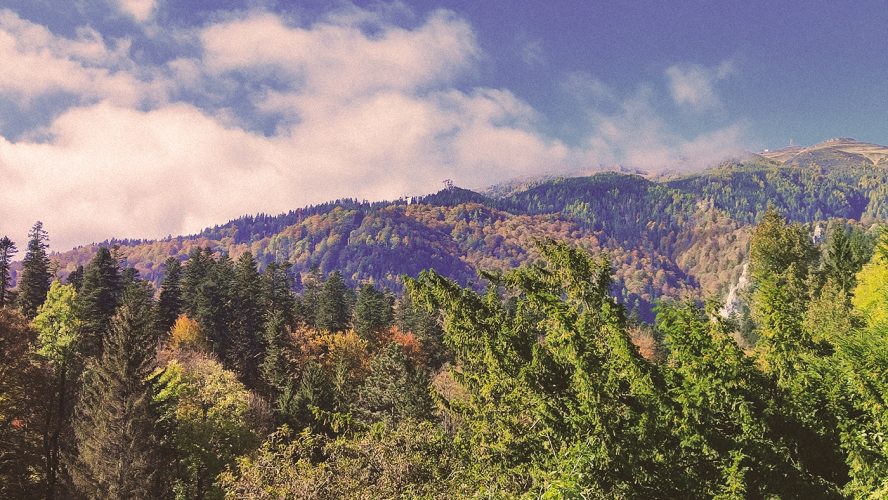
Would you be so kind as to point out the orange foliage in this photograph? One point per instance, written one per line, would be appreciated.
(411, 345)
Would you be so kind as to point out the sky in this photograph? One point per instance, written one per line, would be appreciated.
(143, 118)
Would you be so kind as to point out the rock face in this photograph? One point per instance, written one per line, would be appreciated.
(733, 301)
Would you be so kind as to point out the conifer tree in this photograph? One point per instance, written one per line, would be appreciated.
(277, 296)
(36, 275)
(7, 250)
(395, 389)
(374, 313)
(245, 349)
(169, 306)
(76, 278)
(334, 309)
(97, 300)
(115, 419)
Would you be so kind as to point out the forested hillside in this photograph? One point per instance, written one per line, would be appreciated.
(226, 383)
(684, 236)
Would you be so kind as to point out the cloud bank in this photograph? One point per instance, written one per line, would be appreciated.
(287, 113)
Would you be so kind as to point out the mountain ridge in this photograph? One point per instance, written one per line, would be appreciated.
(682, 236)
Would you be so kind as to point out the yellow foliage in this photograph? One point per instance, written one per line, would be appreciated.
(871, 294)
(187, 334)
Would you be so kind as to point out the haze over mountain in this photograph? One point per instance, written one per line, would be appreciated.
(679, 235)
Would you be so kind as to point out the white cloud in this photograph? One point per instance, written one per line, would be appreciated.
(140, 10)
(637, 136)
(365, 107)
(694, 85)
(36, 62)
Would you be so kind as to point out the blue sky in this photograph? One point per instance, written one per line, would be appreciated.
(141, 118)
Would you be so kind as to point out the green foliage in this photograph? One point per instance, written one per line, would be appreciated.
(374, 313)
(169, 305)
(245, 347)
(212, 419)
(556, 392)
(34, 282)
(410, 460)
(871, 293)
(334, 308)
(395, 389)
(724, 414)
(115, 419)
(57, 324)
(97, 301)
(7, 251)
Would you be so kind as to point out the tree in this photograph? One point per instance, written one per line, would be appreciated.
(187, 334)
(410, 318)
(374, 313)
(115, 419)
(554, 391)
(76, 278)
(245, 347)
(23, 385)
(34, 282)
(871, 293)
(395, 389)
(334, 308)
(58, 330)
(213, 419)
(7, 250)
(169, 305)
(97, 301)
(724, 415)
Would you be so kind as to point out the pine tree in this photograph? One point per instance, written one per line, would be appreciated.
(245, 349)
(7, 250)
(76, 278)
(277, 296)
(97, 300)
(36, 275)
(334, 309)
(374, 313)
(169, 306)
(395, 389)
(115, 419)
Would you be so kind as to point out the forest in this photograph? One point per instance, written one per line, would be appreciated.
(232, 380)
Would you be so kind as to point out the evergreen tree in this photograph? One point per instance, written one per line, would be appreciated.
(245, 348)
(115, 419)
(7, 250)
(395, 389)
(36, 276)
(97, 300)
(374, 313)
(277, 295)
(169, 305)
(76, 278)
(333, 312)
(409, 317)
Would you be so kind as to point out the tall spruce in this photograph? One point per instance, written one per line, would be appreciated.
(97, 300)
(374, 313)
(36, 274)
(169, 306)
(335, 306)
(7, 250)
(246, 329)
(115, 419)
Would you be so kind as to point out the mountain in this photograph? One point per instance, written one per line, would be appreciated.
(680, 236)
